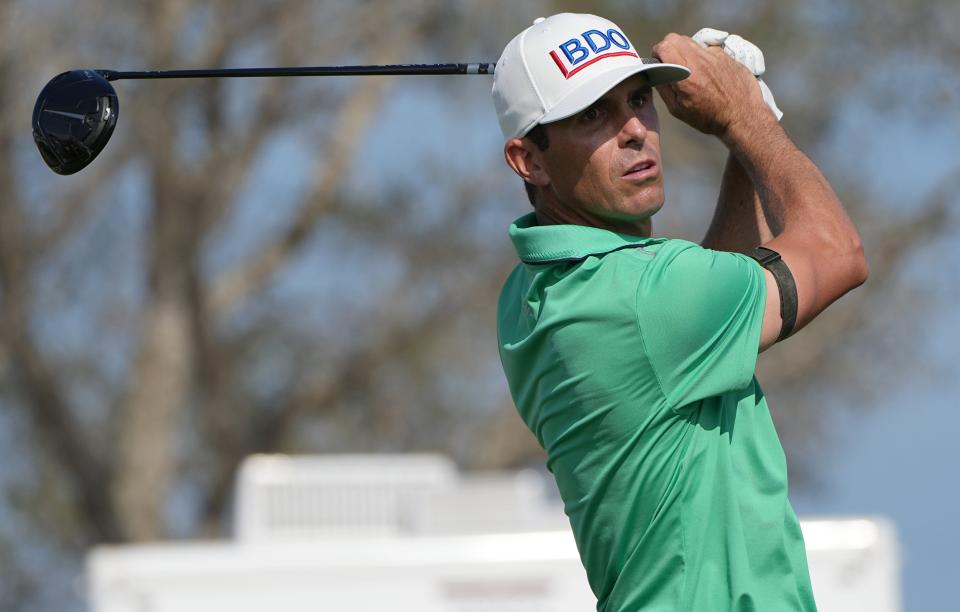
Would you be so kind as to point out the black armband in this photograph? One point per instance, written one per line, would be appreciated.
(771, 260)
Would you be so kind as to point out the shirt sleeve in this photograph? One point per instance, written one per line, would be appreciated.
(700, 314)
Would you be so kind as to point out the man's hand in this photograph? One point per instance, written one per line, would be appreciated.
(744, 52)
(720, 92)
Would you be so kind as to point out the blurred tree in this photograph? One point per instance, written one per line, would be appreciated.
(185, 302)
(145, 346)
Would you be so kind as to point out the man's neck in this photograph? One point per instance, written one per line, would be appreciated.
(551, 216)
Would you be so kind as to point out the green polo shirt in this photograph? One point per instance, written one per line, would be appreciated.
(631, 360)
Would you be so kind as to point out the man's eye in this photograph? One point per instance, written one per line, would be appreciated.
(591, 114)
(640, 99)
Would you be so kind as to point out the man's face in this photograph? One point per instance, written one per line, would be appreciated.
(602, 166)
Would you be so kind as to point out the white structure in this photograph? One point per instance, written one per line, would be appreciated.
(854, 564)
(407, 533)
(282, 498)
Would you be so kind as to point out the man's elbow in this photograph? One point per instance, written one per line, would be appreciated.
(858, 269)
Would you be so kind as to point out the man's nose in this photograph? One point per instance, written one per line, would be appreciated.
(633, 132)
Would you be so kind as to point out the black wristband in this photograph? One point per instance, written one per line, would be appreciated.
(771, 260)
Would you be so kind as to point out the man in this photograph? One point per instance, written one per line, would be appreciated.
(631, 357)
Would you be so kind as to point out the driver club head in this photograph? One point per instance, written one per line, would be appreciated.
(73, 119)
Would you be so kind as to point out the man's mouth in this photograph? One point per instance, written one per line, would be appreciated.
(641, 171)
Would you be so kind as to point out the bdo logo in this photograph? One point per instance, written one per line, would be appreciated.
(591, 47)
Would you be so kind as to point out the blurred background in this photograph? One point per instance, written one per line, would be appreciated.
(311, 265)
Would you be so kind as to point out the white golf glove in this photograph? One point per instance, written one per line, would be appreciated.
(743, 51)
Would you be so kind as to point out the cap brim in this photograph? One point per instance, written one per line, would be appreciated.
(594, 89)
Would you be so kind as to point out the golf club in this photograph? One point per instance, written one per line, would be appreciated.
(77, 110)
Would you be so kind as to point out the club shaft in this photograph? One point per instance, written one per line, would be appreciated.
(395, 69)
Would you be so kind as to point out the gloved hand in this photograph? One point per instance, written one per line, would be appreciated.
(744, 52)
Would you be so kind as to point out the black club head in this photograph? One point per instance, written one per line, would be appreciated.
(73, 119)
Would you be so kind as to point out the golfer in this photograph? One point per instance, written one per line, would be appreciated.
(631, 356)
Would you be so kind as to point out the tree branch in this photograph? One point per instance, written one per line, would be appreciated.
(49, 411)
(251, 276)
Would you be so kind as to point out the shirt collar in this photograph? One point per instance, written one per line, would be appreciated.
(539, 244)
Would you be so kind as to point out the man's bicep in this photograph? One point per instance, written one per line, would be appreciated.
(819, 282)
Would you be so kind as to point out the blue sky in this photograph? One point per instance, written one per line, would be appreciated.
(899, 459)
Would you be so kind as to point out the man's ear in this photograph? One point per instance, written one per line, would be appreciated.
(526, 160)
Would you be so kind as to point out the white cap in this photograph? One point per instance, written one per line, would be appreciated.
(561, 65)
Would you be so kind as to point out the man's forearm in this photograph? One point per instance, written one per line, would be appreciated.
(739, 223)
